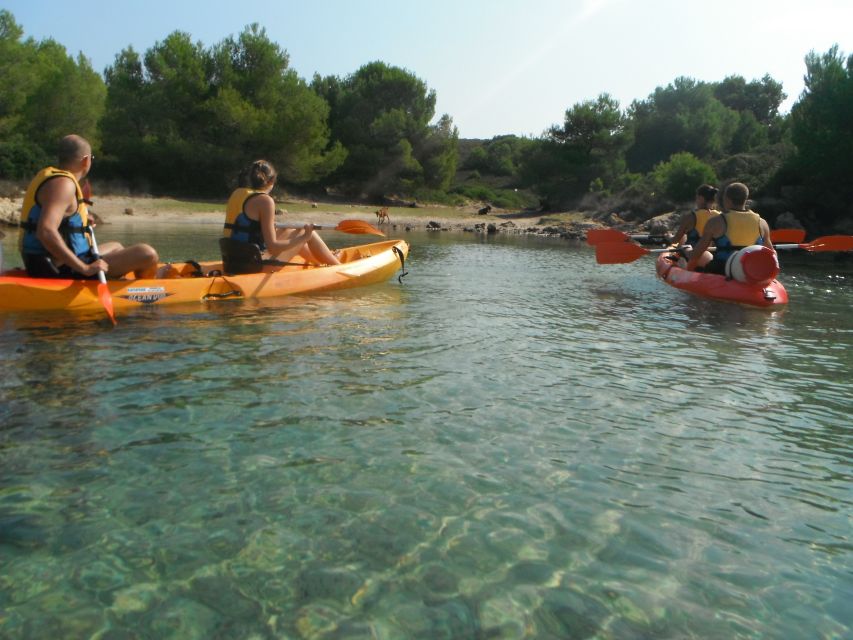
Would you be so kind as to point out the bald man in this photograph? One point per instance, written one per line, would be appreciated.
(55, 241)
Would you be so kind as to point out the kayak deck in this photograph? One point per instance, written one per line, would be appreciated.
(194, 282)
(718, 287)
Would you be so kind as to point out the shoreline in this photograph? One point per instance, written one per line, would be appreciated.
(120, 210)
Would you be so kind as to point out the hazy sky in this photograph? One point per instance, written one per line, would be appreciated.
(497, 66)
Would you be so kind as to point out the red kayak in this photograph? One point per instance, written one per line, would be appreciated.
(716, 287)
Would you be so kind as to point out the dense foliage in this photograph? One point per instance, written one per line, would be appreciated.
(381, 115)
(822, 130)
(585, 154)
(44, 93)
(187, 119)
(183, 118)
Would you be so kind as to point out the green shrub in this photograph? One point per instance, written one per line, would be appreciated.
(678, 177)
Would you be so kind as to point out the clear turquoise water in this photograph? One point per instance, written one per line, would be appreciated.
(514, 443)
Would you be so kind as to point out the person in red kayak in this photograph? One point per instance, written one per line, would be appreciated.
(693, 224)
(250, 219)
(737, 227)
(55, 233)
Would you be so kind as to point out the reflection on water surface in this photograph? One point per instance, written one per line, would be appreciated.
(514, 442)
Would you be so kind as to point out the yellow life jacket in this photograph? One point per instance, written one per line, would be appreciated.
(702, 217)
(237, 224)
(743, 228)
(73, 228)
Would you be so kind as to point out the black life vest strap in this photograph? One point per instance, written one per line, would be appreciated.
(28, 225)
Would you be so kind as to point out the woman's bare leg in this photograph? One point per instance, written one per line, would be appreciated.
(321, 251)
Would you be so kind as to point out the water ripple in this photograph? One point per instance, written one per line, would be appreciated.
(513, 443)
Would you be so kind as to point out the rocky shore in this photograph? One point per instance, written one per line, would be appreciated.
(119, 210)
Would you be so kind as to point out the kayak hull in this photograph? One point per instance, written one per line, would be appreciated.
(361, 265)
(717, 287)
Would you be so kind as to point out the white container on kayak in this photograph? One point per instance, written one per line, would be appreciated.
(755, 264)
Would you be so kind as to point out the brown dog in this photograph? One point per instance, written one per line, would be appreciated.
(382, 215)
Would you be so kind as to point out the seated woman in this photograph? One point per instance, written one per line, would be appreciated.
(692, 225)
(250, 220)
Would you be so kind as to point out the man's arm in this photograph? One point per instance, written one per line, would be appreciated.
(765, 233)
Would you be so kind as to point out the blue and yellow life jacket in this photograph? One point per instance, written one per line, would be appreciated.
(743, 229)
(701, 216)
(73, 228)
(239, 226)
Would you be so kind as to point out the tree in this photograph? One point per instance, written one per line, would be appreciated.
(822, 130)
(381, 115)
(46, 94)
(189, 118)
(500, 156)
(264, 109)
(587, 149)
(156, 126)
(761, 98)
(684, 116)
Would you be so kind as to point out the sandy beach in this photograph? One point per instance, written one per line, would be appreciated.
(118, 210)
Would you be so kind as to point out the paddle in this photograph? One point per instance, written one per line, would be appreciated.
(624, 252)
(104, 294)
(345, 226)
(597, 236)
(787, 235)
(824, 243)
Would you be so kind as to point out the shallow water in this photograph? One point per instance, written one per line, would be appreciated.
(514, 442)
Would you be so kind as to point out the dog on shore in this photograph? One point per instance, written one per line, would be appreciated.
(382, 215)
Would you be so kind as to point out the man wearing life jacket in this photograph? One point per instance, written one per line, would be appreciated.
(736, 228)
(250, 218)
(55, 239)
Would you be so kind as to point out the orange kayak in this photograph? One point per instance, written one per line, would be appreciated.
(196, 282)
(717, 287)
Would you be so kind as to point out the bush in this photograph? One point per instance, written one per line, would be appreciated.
(501, 198)
(678, 177)
(20, 159)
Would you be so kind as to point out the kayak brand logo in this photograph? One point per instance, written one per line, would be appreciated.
(145, 295)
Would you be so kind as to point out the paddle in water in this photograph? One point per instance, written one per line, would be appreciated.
(104, 294)
(624, 252)
(345, 226)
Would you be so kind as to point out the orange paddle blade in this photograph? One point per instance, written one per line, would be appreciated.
(829, 243)
(618, 252)
(357, 226)
(787, 235)
(597, 236)
(106, 299)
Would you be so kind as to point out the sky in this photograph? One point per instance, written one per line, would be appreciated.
(497, 66)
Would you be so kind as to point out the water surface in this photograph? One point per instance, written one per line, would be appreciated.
(513, 443)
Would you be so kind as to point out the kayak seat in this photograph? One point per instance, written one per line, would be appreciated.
(40, 266)
(243, 257)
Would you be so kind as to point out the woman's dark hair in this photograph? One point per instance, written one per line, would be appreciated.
(707, 191)
(258, 174)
